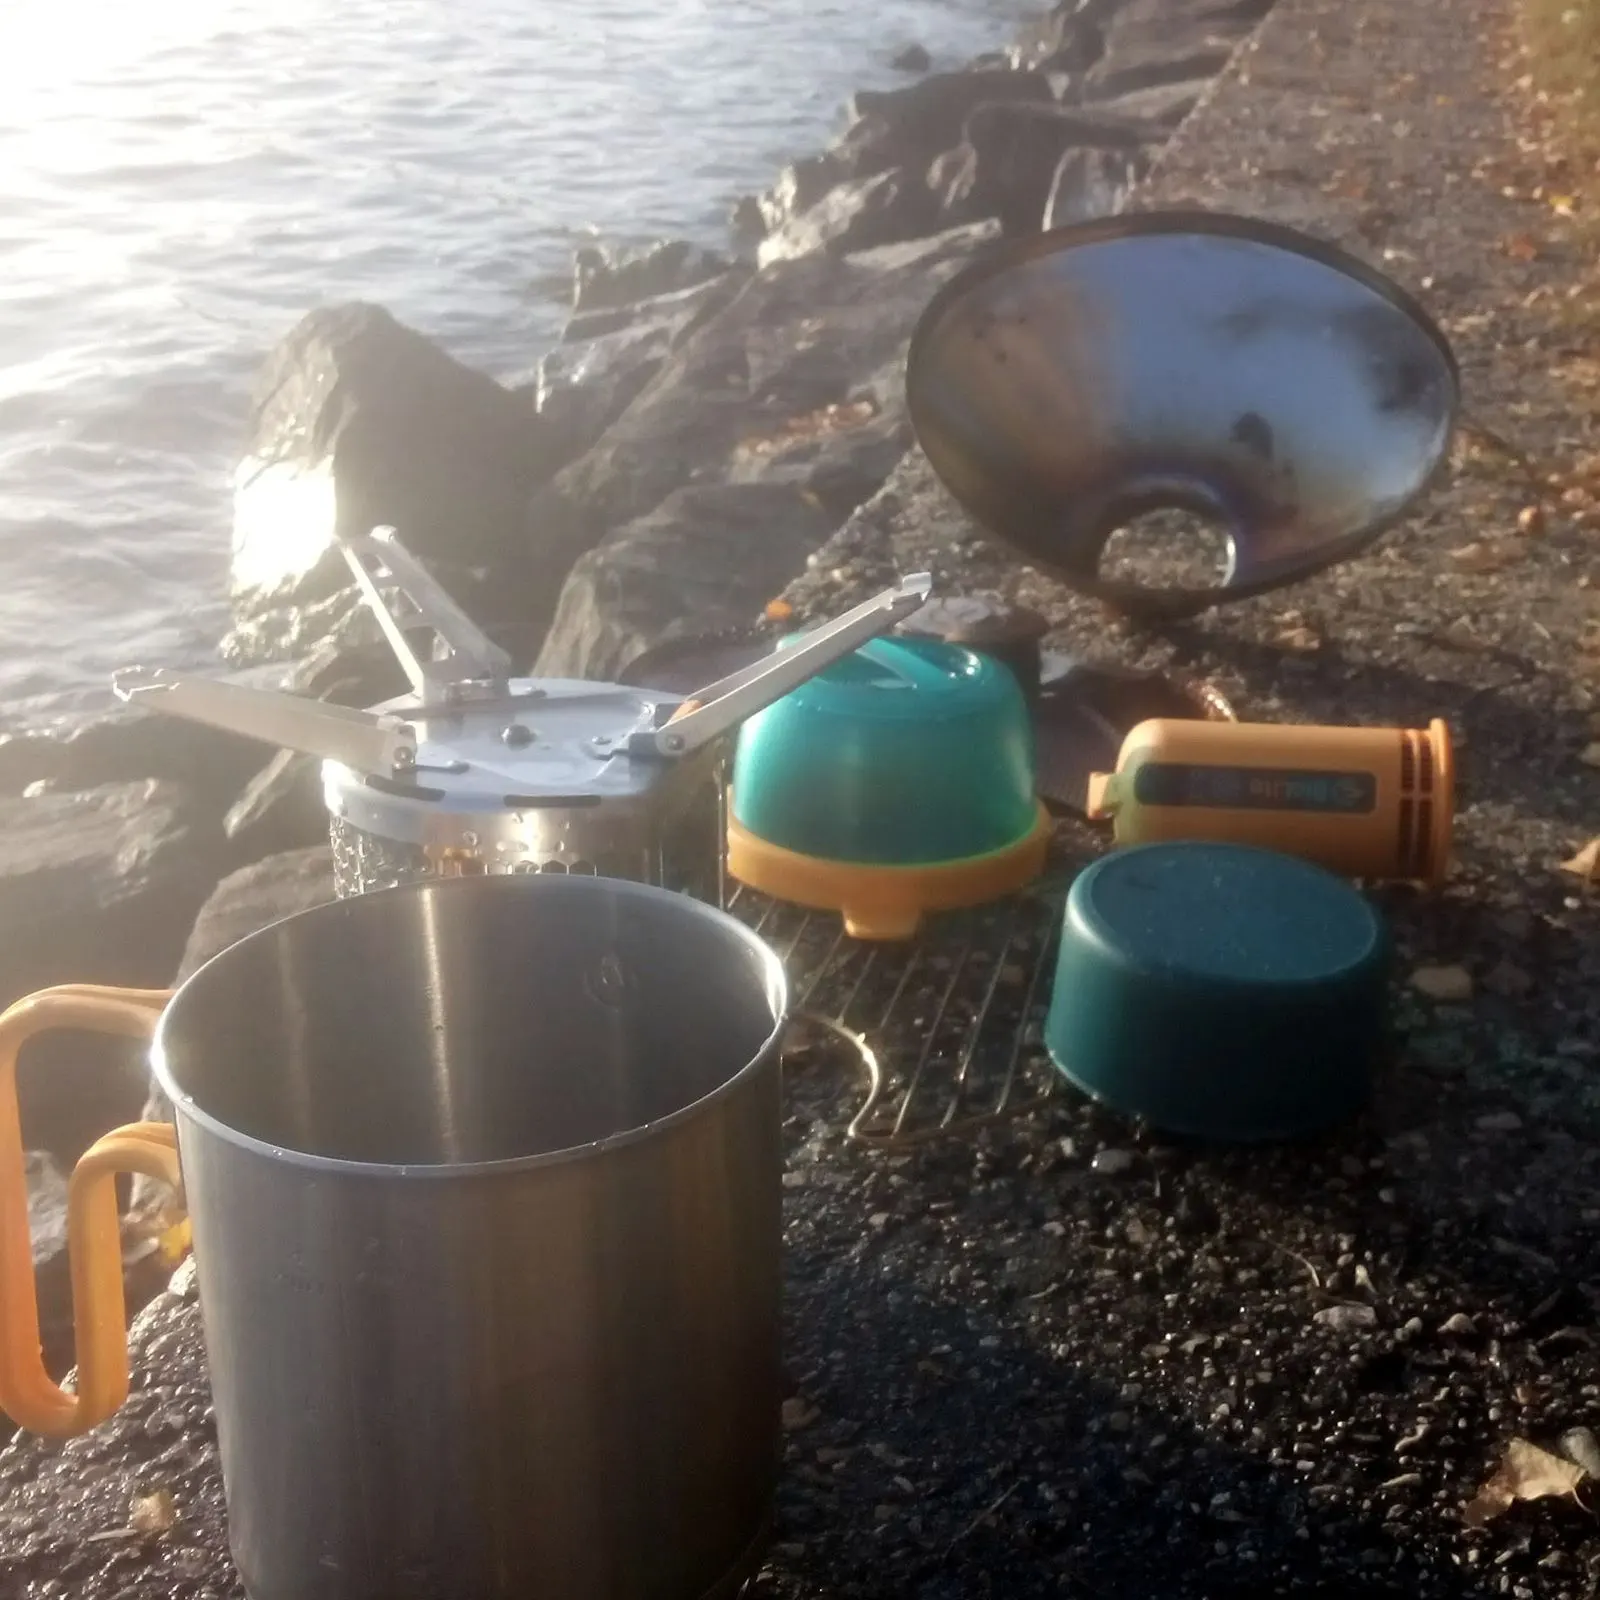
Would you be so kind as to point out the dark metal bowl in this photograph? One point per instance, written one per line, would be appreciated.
(1067, 384)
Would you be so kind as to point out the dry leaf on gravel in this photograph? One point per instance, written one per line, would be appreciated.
(1443, 983)
(1525, 1473)
(1586, 864)
(1486, 555)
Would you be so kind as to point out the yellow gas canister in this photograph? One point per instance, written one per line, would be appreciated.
(1364, 802)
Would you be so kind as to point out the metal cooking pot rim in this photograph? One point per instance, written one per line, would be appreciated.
(187, 1108)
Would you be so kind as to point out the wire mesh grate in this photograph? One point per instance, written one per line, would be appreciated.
(947, 1029)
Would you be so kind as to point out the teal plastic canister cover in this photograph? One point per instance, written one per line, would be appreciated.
(1219, 990)
(906, 752)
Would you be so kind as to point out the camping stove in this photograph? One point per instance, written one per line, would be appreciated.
(476, 771)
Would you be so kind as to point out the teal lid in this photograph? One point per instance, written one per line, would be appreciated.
(1219, 990)
(906, 752)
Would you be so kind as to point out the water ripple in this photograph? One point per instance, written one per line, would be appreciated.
(179, 183)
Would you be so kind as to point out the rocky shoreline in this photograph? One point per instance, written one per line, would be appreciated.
(1066, 1358)
(705, 425)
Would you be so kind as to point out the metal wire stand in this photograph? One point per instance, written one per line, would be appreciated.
(946, 1028)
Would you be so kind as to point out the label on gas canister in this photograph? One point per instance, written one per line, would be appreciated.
(1182, 783)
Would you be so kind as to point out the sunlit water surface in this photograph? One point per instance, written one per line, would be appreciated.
(181, 179)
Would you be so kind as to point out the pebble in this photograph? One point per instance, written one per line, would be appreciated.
(1346, 1318)
(1446, 984)
(1112, 1162)
(1499, 1122)
(1581, 1446)
(1460, 1326)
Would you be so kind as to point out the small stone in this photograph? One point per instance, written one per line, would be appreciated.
(1446, 984)
(798, 1412)
(1581, 1447)
(1459, 1326)
(1508, 979)
(1111, 1163)
(1119, 1422)
(1499, 1122)
(1530, 521)
(1346, 1318)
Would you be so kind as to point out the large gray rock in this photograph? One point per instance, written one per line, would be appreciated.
(622, 275)
(1008, 159)
(361, 421)
(782, 386)
(1154, 42)
(858, 214)
(901, 129)
(706, 559)
(128, 745)
(1091, 183)
(100, 886)
(606, 357)
(254, 898)
(244, 902)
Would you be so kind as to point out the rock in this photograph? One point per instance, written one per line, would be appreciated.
(100, 886)
(925, 117)
(1450, 985)
(706, 558)
(126, 746)
(1346, 1318)
(1010, 155)
(1499, 1122)
(52, 1268)
(857, 214)
(243, 903)
(581, 389)
(1163, 105)
(894, 129)
(361, 421)
(1113, 1163)
(746, 223)
(1091, 183)
(768, 390)
(913, 58)
(280, 809)
(1459, 1326)
(1067, 38)
(1154, 42)
(613, 275)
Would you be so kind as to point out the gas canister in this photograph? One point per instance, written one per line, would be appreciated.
(1373, 803)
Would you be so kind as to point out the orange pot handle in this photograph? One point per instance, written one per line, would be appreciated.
(94, 1235)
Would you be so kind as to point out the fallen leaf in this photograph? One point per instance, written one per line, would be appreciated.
(152, 1513)
(1443, 983)
(1525, 1473)
(779, 611)
(1586, 864)
(1520, 247)
(1486, 555)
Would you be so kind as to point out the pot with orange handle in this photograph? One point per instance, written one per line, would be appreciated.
(484, 1181)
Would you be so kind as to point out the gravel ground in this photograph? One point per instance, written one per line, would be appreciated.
(1064, 1357)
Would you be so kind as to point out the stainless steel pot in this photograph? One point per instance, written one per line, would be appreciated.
(484, 1178)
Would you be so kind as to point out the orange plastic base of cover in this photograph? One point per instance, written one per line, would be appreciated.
(886, 902)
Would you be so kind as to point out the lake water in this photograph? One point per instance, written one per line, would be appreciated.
(181, 179)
